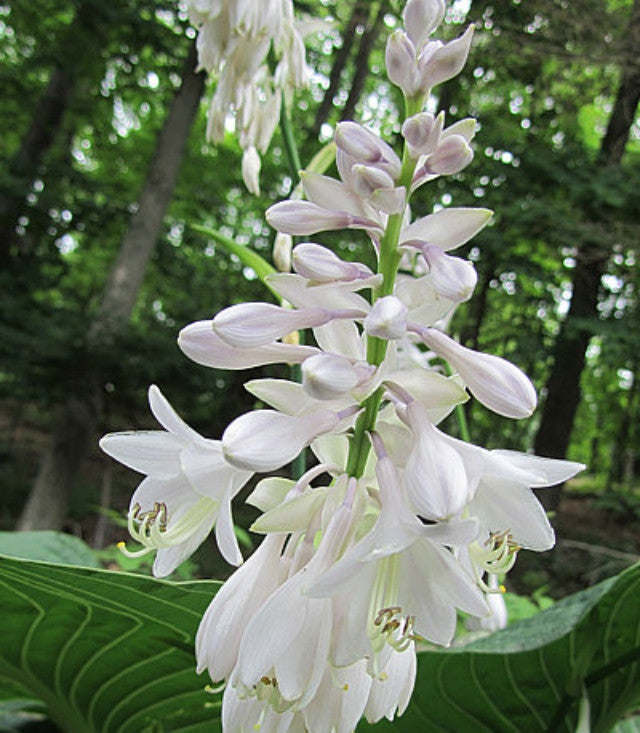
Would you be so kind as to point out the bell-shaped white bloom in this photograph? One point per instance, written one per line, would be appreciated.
(264, 440)
(203, 345)
(250, 714)
(387, 318)
(226, 618)
(335, 195)
(400, 580)
(251, 325)
(391, 689)
(421, 18)
(329, 376)
(445, 61)
(321, 265)
(447, 228)
(340, 699)
(285, 646)
(422, 133)
(451, 277)
(497, 383)
(503, 501)
(434, 473)
(188, 489)
(437, 394)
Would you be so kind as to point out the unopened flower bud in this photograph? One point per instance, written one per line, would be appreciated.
(497, 383)
(366, 147)
(422, 133)
(321, 265)
(367, 179)
(264, 440)
(301, 218)
(451, 277)
(452, 155)
(251, 170)
(421, 17)
(400, 59)
(248, 325)
(282, 251)
(387, 319)
(446, 62)
(328, 376)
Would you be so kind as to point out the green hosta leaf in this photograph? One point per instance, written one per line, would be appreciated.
(529, 677)
(48, 546)
(113, 652)
(105, 651)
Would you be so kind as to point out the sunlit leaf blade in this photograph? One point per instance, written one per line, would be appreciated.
(48, 546)
(529, 677)
(105, 651)
(246, 255)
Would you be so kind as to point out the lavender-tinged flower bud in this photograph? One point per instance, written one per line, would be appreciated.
(421, 18)
(249, 325)
(203, 345)
(452, 277)
(389, 200)
(328, 376)
(301, 218)
(452, 155)
(434, 474)
(497, 383)
(367, 179)
(282, 252)
(366, 147)
(447, 228)
(387, 319)
(321, 265)
(264, 440)
(401, 63)
(422, 133)
(445, 62)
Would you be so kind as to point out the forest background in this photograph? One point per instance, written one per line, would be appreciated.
(106, 176)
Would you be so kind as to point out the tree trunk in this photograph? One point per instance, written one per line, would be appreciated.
(563, 386)
(75, 427)
(361, 65)
(42, 131)
(359, 15)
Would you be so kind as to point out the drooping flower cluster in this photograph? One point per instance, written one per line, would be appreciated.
(234, 40)
(397, 527)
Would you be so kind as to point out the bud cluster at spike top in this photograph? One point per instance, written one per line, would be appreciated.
(397, 526)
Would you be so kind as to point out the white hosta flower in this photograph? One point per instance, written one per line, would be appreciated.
(226, 618)
(399, 582)
(439, 62)
(188, 489)
(364, 146)
(434, 474)
(422, 133)
(497, 383)
(498, 617)
(391, 689)
(282, 247)
(287, 663)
